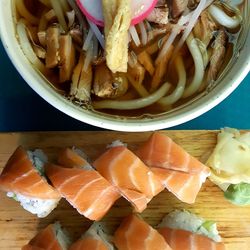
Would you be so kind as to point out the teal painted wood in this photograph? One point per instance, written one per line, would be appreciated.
(21, 109)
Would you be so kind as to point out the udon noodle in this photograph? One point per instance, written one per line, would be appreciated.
(174, 54)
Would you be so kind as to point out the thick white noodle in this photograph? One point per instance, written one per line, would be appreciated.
(179, 90)
(134, 104)
(27, 48)
(59, 13)
(222, 18)
(199, 66)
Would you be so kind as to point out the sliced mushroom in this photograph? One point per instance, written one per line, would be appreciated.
(77, 36)
(67, 57)
(218, 55)
(178, 7)
(159, 15)
(107, 84)
(204, 28)
(52, 45)
(42, 38)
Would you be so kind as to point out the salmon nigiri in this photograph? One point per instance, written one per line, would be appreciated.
(181, 239)
(183, 230)
(136, 234)
(94, 239)
(161, 152)
(84, 188)
(130, 175)
(24, 180)
(184, 186)
(50, 238)
(180, 173)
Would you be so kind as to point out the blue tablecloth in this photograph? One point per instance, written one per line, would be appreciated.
(21, 109)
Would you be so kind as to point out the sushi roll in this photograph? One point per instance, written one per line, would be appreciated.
(81, 185)
(184, 230)
(180, 173)
(94, 239)
(135, 181)
(136, 234)
(24, 180)
(52, 237)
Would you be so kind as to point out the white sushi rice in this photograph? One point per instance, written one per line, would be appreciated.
(62, 236)
(84, 156)
(36, 206)
(116, 143)
(97, 231)
(182, 219)
(38, 159)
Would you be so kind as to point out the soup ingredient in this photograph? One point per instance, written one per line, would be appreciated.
(161, 152)
(128, 173)
(229, 163)
(85, 189)
(178, 7)
(117, 18)
(159, 15)
(179, 90)
(94, 10)
(94, 239)
(188, 222)
(218, 54)
(23, 179)
(135, 234)
(80, 87)
(238, 194)
(136, 103)
(107, 84)
(52, 237)
(223, 19)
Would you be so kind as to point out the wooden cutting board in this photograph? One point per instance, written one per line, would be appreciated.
(17, 226)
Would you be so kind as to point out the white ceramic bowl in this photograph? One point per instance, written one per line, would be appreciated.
(227, 82)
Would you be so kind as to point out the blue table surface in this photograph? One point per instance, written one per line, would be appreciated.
(21, 109)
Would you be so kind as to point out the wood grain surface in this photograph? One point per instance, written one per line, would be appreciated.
(17, 226)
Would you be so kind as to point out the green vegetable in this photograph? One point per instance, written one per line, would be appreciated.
(208, 225)
(238, 194)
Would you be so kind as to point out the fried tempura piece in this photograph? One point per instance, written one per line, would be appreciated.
(117, 19)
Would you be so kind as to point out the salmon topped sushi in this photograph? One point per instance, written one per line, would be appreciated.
(160, 151)
(84, 188)
(94, 239)
(50, 238)
(135, 181)
(73, 158)
(180, 173)
(183, 230)
(24, 179)
(136, 234)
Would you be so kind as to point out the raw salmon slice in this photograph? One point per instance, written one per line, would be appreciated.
(135, 234)
(183, 185)
(20, 176)
(85, 190)
(180, 239)
(126, 171)
(50, 238)
(72, 159)
(88, 243)
(160, 151)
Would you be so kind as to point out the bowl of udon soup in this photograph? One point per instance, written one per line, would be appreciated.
(180, 60)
